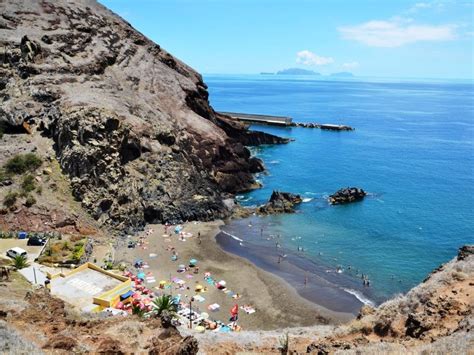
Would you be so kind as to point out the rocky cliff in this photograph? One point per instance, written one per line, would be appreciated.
(131, 124)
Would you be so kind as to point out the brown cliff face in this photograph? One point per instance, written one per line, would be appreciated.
(132, 125)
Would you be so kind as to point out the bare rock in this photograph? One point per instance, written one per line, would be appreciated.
(280, 202)
(131, 124)
(347, 195)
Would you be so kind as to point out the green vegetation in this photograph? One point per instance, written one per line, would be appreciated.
(137, 310)
(20, 262)
(164, 303)
(28, 183)
(30, 201)
(65, 249)
(78, 251)
(23, 163)
(39, 190)
(10, 199)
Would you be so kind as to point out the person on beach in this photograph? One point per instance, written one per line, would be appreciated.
(261, 232)
(199, 237)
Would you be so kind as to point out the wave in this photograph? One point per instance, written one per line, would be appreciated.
(233, 236)
(360, 297)
(274, 162)
(242, 198)
(307, 199)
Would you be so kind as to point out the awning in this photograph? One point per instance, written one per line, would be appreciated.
(126, 295)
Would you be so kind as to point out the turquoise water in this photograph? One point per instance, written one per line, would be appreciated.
(412, 150)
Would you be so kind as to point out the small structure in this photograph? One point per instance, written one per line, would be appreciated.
(90, 288)
(262, 119)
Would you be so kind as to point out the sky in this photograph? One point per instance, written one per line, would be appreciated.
(385, 38)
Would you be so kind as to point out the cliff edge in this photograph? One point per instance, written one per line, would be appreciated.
(131, 124)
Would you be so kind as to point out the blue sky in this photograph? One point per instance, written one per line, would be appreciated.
(387, 38)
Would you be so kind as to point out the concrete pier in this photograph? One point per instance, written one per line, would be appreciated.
(283, 121)
(264, 119)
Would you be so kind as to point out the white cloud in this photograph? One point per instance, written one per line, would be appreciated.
(396, 33)
(306, 57)
(350, 65)
(420, 6)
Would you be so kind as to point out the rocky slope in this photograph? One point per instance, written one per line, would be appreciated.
(132, 125)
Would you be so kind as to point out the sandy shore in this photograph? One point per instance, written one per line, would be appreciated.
(277, 304)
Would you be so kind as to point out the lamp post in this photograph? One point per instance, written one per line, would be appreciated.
(190, 313)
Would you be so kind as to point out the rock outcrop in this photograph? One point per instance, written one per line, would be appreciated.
(280, 202)
(347, 195)
(132, 125)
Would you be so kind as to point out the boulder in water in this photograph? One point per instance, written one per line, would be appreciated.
(280, 202)
(347, 195)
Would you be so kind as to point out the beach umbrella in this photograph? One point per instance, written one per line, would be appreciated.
(198, 288)
(200, 329)
(193, 262)
(141, 275)
(136, 296)
(119, 305)
(207, 274)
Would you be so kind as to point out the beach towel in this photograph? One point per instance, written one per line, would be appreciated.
(199, 298)
(247, 309)
(213, 307)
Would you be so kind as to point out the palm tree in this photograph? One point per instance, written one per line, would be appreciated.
(20, 262)
(165, 303)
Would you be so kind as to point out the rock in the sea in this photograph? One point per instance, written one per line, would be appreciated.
(280, 202)
(347, 195)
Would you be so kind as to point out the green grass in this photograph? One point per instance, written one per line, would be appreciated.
(23, 163)
(28, 183)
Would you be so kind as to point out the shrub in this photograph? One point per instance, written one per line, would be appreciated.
(20, 262)
(28, 184)
(22, 163)
(137, 310)
(10, 199)
(30, 201)
(66, 246)
(164, 303)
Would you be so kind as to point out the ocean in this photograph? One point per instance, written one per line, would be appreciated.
(413, 152)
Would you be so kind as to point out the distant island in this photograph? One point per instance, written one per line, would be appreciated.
(343, 74)
(297, 71)
(266, 73)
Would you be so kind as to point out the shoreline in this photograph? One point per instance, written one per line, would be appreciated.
(277, 303)
(335, 290)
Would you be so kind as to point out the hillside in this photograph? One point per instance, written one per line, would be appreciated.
(130, 125)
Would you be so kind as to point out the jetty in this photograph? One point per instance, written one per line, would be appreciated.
(262, 119)
(283, 121)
